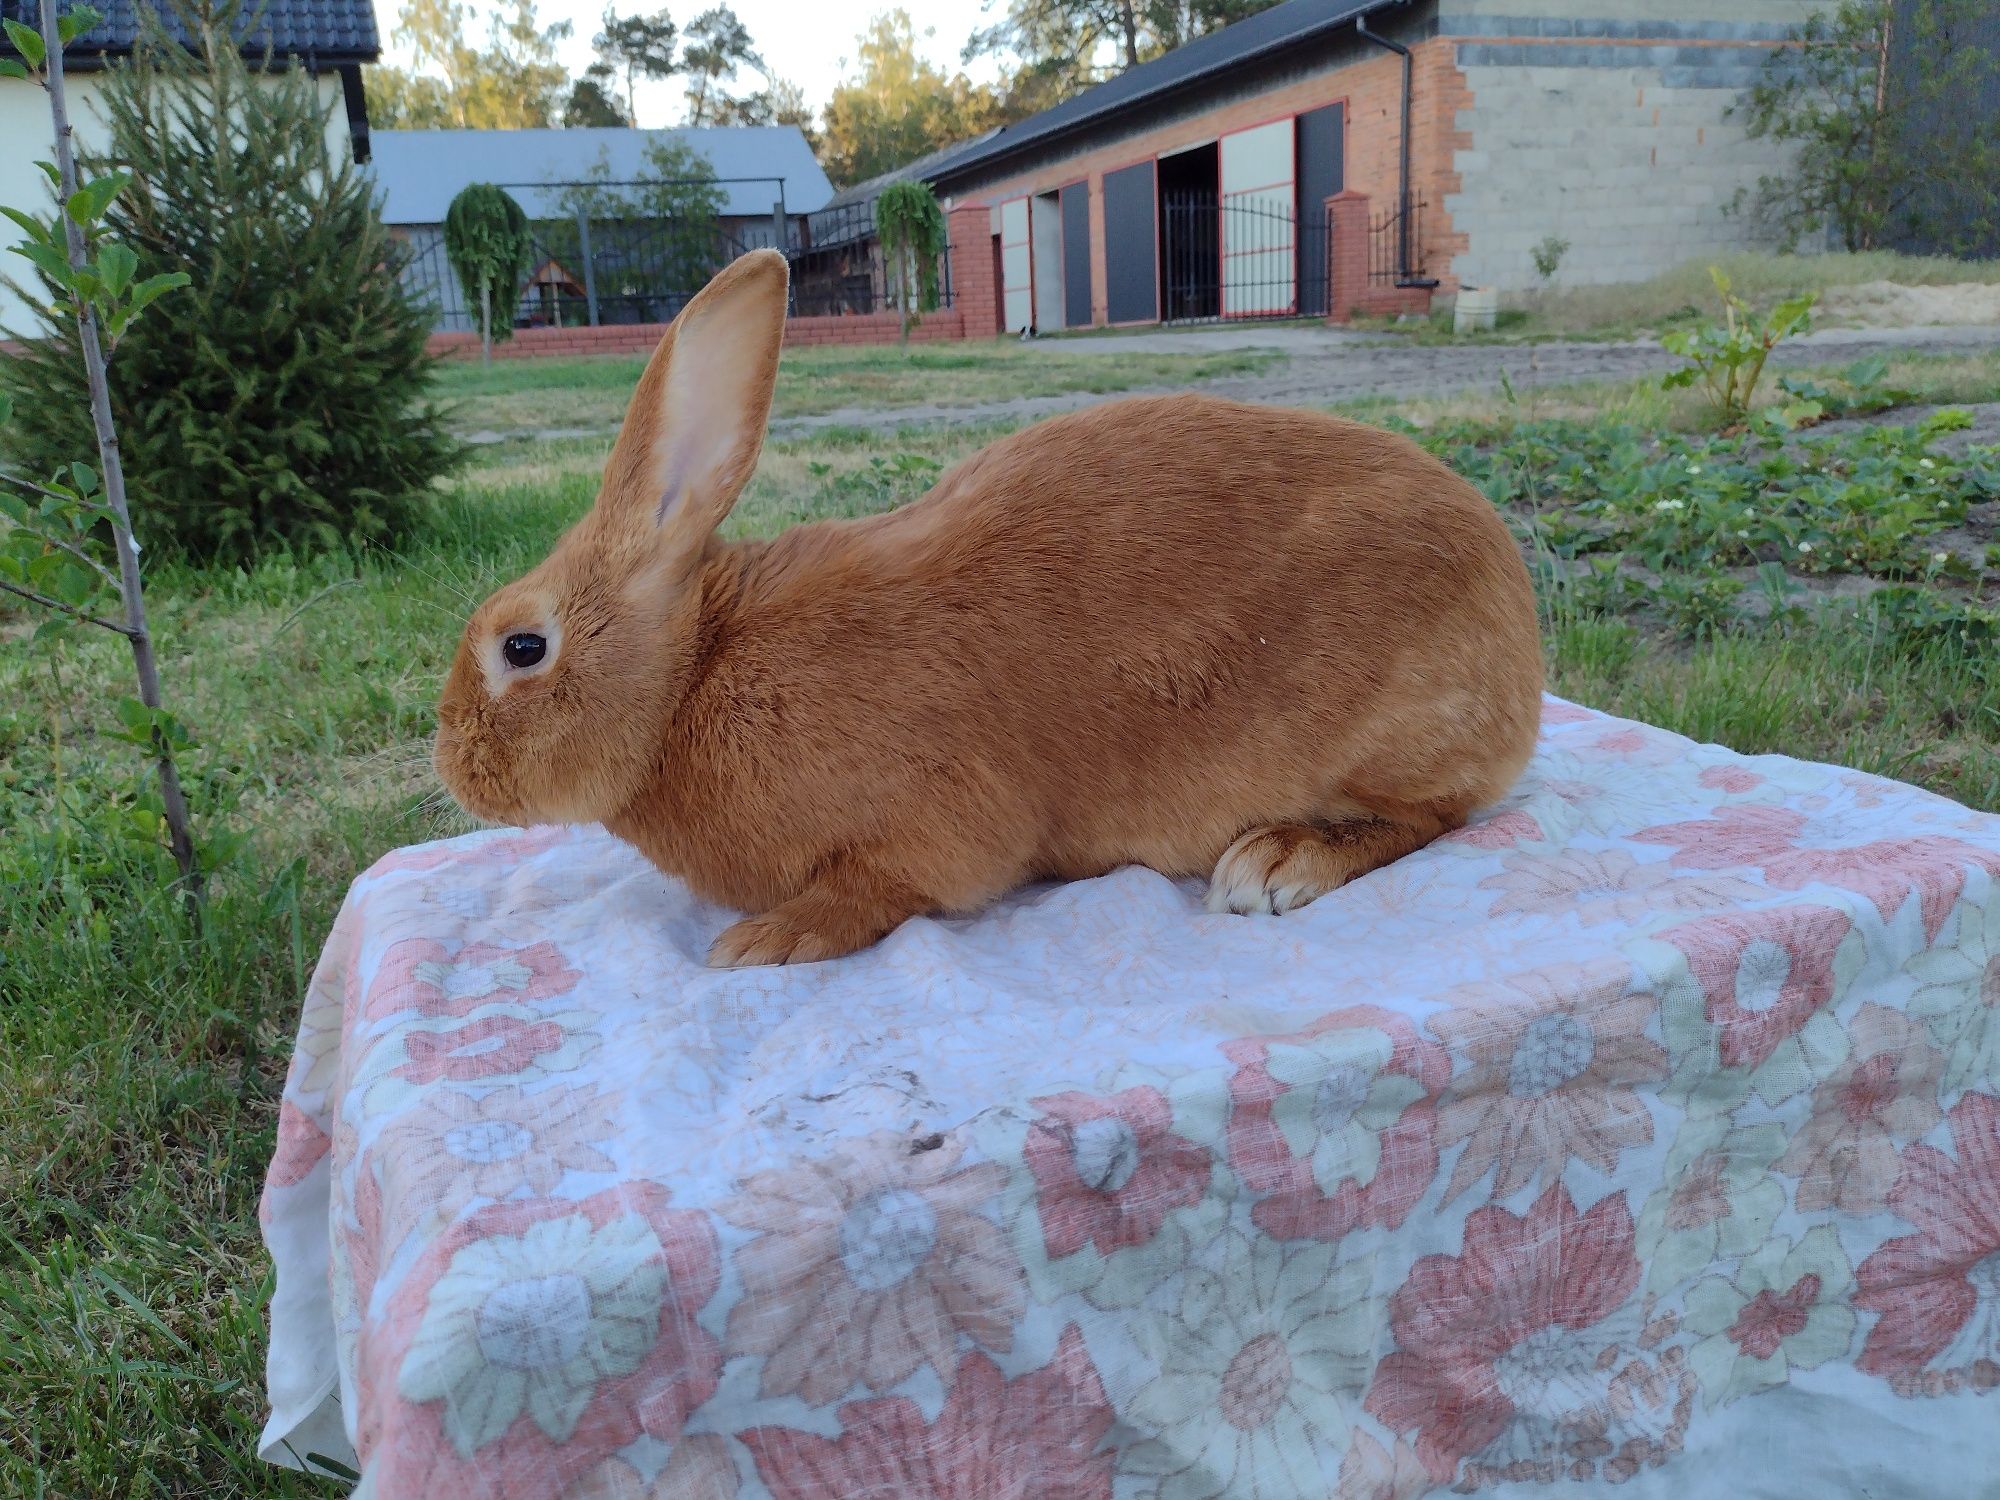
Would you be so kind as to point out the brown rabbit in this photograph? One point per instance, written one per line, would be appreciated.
(1172, 631)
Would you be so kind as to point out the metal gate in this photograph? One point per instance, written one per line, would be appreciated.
(1238, 257)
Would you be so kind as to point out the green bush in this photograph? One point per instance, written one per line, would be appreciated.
(486, 241)
(281, 400)
(910, 225)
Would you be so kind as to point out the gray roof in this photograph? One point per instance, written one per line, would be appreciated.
(420, 171)
(1262, 36)
(922, 167)
(328, 31)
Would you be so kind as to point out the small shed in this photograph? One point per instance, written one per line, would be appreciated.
(767, 177)
(762, 170)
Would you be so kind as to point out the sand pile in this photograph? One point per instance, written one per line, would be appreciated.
(1888, 304)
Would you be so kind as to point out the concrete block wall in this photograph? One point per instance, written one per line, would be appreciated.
(1655, 18)
(1611, 132)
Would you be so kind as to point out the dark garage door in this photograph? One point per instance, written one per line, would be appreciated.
(1320, 154)
(1076, 255)
(1131, 277)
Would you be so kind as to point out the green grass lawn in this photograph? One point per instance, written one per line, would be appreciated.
(552, 394)
(140, 1062)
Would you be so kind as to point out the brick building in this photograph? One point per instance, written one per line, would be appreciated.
(1325, 157)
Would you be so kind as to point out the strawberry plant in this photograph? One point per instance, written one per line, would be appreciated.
(1857, 391)
(1857, 502)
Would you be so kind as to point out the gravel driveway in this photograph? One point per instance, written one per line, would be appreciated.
(1327, 365)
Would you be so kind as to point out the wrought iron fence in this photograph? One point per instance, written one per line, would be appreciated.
(1396, 243)
(839, 269)
(1239, 255)
(841, 225)
(591, 271)
(585, 272)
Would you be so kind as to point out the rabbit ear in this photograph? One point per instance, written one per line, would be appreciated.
(696, 423)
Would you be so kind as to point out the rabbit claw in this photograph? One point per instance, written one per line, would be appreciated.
(843, 912)
(776, 937)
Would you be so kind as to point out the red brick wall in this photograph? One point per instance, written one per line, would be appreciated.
(1372, 92)
(974, 296)
(875, 328)
(1350, 292)
(643, 338)
(1438, 91)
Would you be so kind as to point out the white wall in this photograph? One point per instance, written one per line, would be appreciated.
(24, 128)
(1046, 214)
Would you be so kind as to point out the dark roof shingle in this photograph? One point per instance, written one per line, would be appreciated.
(923, 167)
(327, 30)
(1266, 34)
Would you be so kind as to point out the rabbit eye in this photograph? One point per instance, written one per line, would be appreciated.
(523, 650)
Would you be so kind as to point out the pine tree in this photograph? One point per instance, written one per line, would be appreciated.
(282, 399)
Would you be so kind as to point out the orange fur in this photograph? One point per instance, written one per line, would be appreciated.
(1135, 634)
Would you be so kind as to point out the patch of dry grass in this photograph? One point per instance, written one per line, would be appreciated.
(1642, 402)
(548, 395)
(1760, 278)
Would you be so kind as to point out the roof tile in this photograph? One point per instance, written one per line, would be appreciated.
(334, 30)
(1265, 34)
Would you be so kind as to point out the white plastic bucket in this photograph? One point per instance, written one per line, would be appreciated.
(1477, 309)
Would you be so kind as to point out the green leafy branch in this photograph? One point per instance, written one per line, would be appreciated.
(54, 529)
(911, 228)
(46, 551)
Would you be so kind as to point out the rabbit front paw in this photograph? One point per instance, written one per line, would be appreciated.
(1283, 866)
(845, 912)
(774, 938)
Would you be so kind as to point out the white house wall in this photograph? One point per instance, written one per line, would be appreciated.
(24, 127)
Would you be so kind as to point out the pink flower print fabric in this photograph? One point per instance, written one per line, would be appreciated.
(1645, 1134)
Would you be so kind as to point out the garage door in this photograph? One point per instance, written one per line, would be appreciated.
(1259, 239)
(1076, 255)
(1016, 284)
(1131, 240)
(1320, 164)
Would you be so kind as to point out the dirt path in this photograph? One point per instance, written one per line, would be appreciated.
(1328, 366)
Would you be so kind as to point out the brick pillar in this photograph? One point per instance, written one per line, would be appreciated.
(1347, 245)
(969, 228)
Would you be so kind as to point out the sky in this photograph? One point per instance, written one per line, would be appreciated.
(803, 40)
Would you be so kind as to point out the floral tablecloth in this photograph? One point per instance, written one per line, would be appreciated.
(1646, 1132)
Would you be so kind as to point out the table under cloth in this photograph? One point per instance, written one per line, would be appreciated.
(1645, 1132)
